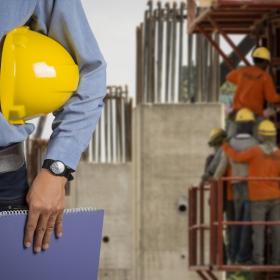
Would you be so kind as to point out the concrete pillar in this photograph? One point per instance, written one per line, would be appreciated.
(170, 148)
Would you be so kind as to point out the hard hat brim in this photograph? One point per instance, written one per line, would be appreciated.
(7, 79)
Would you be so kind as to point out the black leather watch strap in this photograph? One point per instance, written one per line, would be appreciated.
(67, 173)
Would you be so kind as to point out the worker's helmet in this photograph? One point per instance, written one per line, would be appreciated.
(262, 53)
(245, 115)
(267, 128)
(37, 76)
(217, 135)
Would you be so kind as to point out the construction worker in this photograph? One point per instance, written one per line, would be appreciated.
(217, 137)
(63, 21)
(240, 235)
(254, 84)
(264, 195)
(254, 87)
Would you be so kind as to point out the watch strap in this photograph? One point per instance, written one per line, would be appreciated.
(66, 173)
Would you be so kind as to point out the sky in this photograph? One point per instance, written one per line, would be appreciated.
(114, 25)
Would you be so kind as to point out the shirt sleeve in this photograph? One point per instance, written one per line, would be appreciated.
(243, 156)
(210, 170)
(222, 167)
(233, 76)
(74, 124)
(269, 90)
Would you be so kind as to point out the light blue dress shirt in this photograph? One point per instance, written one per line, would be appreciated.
(64, 21)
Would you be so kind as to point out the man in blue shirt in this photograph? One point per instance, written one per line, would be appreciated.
(65, 22)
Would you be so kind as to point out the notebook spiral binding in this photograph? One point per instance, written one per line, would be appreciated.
(66, 211)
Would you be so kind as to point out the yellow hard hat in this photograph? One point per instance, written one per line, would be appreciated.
(37, 76)
(262, 53)
(267, 128)
(245, 115)
(216, 133)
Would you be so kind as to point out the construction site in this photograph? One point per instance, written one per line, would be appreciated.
(146, 160)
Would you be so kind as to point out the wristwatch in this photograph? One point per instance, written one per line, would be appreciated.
(58, 168)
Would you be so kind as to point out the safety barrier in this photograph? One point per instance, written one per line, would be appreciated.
(209, 231)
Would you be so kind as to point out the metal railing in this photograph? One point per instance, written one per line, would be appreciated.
(172, 66)
(210, 233)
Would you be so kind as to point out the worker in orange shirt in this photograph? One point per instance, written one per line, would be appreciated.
(264, 196)
(255, 86)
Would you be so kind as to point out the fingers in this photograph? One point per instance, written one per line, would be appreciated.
(40, 232)
(30, 227)
(49, 231)
(39, 228)
(59, 224)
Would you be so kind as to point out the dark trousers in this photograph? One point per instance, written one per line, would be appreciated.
(242, 234)
(13, 189)
(266, 210)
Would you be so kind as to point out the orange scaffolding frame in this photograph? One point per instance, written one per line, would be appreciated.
(205, 264)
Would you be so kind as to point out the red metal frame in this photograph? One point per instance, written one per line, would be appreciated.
(236, 16)
(197, 227)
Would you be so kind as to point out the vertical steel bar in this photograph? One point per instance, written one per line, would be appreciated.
(123, 128)
(159, 51)
(100, 129)
(181, 45)
(168, 49)
(220, 208)
(113, 124)
(203, 69)
(173, 50)
(96, 136)
(198, 67)
(146, 57)
(128, 119)
(139, 65)
(152, 52)
(195, 223)
(191, 82)
(213, 227)
(89, 153)
(93, 145)
(216, 70)
(202, 235)
(106, 156)
(118, 127)
(149, 50)
(109, 124)
(190, 227)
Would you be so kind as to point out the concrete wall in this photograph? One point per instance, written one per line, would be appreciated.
(108, 186)
(170, 147)
(147, 234)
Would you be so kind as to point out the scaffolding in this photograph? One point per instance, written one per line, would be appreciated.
(209, 231)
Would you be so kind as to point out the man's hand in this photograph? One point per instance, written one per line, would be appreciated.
(46, 204)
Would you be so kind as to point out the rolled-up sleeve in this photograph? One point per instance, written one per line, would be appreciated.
(75, 122)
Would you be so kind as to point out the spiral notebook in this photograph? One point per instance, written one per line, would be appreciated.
(73, 257)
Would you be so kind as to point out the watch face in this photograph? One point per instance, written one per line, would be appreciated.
(57, 167)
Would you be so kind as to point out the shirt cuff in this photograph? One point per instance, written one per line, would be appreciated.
(64, 149)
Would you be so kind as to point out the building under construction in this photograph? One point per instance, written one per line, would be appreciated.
(145, 162)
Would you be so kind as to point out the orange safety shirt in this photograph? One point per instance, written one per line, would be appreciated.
(260, 165)
(254, 87)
